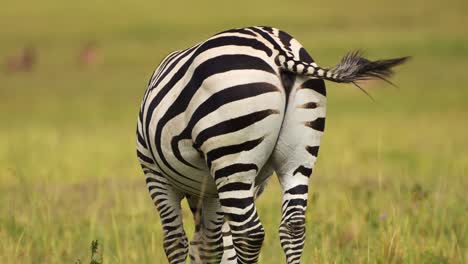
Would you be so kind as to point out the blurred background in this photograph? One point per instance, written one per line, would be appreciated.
(391, 180)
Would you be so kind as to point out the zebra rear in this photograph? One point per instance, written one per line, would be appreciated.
(215, 122)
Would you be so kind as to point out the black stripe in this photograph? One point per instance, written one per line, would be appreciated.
(287, 79)
(317, 124)
(149, 170)
(232, 125)
(294, 67)
(140, 139)
(299, 189)
(268, 29)
(227, 150)
(140, 121)
(144, 158)
(153, 180)
(170, 229)
(248, 42)
(240, 203)
(309, 105)
(285, 38)
(168, 220)
(303, 170)
(313, 150)
(237, 30)
(296, 202)
(234, 168)
(304, 56)
(140, 116)
(317, 85)
(235, 186)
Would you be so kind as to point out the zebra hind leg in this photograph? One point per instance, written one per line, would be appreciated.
(207, 245)
(292, 228)
(237, 203)
(167, 201)
(195, 243)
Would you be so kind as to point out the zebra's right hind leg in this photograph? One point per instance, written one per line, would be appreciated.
(167, 201)
(211, 242)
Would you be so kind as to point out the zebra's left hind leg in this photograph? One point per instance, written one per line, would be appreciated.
(209, 243)
(167, 200)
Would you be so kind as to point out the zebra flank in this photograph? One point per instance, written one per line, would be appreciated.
(216, 121)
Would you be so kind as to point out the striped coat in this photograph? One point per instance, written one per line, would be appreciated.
(218, 119)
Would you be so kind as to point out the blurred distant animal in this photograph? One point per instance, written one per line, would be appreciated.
(215, 122)
(88, 54)
(22, 62)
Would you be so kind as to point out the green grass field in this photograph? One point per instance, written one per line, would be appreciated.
(391, 182)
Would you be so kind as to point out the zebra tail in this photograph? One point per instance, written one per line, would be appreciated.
(352, 67)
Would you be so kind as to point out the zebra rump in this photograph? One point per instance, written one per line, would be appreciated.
(218, 119)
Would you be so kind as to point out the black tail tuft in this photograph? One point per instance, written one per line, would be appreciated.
(354, 67)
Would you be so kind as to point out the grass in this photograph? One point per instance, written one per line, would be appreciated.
(391, 180)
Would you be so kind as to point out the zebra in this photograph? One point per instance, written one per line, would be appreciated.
(216, 121)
